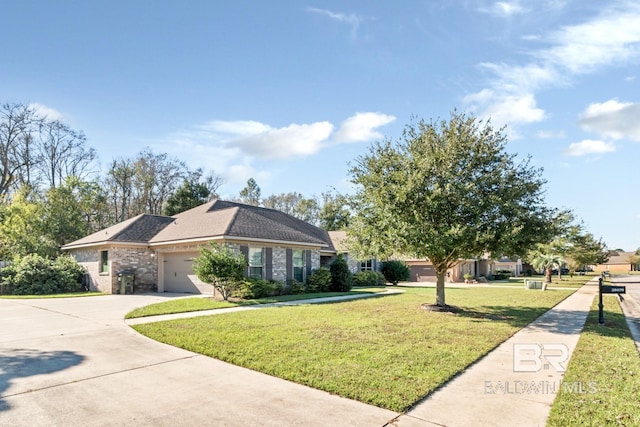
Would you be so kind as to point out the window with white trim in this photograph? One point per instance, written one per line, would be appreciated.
(366, 265)
(298, 265)
(256, 263)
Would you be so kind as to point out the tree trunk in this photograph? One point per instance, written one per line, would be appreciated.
(547, 274)
(440, 289)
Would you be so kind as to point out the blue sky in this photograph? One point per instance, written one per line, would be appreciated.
(289, 92)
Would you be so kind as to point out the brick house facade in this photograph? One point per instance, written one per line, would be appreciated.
(159, 250)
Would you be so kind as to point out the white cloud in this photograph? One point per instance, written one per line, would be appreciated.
(287, 142)
(351, 19)
(506, 109)
(362, 127)
(588, 146)
(629, 78)
(611, 38)
(238, 127)
(232, 148)
(505, 9)
(546, 134)
(613, 119)
(46, 112)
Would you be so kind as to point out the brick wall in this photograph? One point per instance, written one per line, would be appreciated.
(89, 259)
(141, 261)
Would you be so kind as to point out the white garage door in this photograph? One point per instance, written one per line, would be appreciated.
(179, 275)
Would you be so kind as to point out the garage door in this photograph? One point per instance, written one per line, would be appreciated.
(422, 273)
(179, 275)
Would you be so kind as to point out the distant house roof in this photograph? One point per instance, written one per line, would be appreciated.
(215, 219)
(338, 238)
(619, 258)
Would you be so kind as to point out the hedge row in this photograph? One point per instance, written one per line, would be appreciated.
(35, 275)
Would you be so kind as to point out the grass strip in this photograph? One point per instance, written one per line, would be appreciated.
(184, 305)
(606, 365)
(385, 351)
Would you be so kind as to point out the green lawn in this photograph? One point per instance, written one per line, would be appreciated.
(69, 295)
(566, 282)
(607, 365)
(184, 305)
(384, 351)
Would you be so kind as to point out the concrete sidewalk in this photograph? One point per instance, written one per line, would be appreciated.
(515, 384)
(163, 317)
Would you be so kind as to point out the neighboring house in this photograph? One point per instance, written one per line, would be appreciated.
(512, 264)
(338, 239)
(619, 262)
(422, 270)
(160, 250)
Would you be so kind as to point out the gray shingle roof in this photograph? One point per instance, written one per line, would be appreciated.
(138, 229)
(221, 218)
(214, 219)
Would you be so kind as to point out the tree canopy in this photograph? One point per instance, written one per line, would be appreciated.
(446, 190)
(250, 194)
(221, 267)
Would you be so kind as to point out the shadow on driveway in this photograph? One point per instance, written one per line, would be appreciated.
(19, 363)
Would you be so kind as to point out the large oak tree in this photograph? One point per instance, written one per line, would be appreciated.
(446, 191)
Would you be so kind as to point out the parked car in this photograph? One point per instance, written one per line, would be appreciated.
(563, 270)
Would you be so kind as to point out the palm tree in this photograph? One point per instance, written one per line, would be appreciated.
(547, 262)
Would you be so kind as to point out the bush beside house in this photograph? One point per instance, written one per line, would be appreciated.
(36, 275)
(368, 278)
(319, 280)
(395, 271)
(341, 276)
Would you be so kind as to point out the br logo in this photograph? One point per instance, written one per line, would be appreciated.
(534, 357)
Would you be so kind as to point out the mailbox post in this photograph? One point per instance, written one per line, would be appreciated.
(607, 289)
(600, 313)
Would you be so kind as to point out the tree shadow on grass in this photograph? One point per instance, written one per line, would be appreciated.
(615, 325)
(20, 363)
(557, 321)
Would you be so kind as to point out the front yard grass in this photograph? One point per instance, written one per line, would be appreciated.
(184, 305)
(607, 366)
(567, 281)
(384, 351)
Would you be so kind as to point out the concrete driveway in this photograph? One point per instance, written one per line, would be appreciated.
(75, 362)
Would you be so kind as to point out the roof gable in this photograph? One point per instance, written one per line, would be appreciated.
(138, 229)
(230, 219)
(211, 220)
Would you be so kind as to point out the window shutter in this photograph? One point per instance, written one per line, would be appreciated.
(268, 263)
(289, 264)
(244, 250)
(308, 262)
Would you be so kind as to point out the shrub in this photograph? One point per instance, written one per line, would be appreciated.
(501, 274)
(69, 274)
(319, 280)
(341, 278)
(255, 288)
(221, 267)
(278, 288)
(395, 271)
(296, 287)
(467, 276)
(368, 278)
(35, 275)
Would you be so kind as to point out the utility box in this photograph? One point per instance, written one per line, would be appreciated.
(126, 280)
(532, 284)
